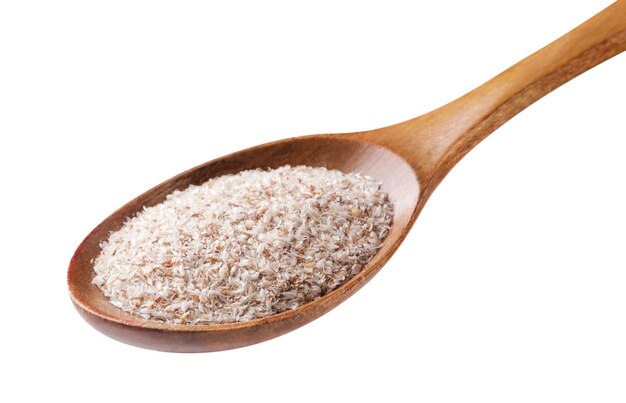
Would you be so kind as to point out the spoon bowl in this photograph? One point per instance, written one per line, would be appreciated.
(331, 151)
(410, 159)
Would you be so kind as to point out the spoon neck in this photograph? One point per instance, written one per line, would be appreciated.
(435, 142)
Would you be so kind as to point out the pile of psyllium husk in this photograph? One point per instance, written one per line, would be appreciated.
(245, 246)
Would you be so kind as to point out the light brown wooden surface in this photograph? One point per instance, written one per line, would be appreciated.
(410, 158)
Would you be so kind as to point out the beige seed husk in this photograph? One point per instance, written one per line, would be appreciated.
(244, 246)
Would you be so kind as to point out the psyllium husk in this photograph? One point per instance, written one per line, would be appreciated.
(244, 246)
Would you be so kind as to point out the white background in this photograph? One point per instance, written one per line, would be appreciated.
(511, 286)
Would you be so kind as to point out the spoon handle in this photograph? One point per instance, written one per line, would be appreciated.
(441, 138)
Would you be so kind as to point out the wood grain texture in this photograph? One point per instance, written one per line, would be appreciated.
(409, 158)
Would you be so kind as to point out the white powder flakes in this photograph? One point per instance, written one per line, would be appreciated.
(245, 246)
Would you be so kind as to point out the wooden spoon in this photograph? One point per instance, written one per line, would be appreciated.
(409, 158)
